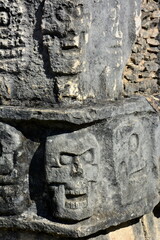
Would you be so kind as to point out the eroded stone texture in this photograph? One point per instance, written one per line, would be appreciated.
(14, 50)
(14, 167)
(64, 51)
(133, 154)
(141, 73)
(72, 161)
(15, 47)
(92, 167)
(147, 227)
(65, 29)
(86, 45)
(96, 175)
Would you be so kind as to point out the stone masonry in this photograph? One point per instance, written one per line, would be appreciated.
(141, 75)
(78, 159)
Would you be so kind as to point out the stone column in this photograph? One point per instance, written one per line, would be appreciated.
(76, 158)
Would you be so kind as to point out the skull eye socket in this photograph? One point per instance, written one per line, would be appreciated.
(87, 156)
(4, 18)
(66, 159)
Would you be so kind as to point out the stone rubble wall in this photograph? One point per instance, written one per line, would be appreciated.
(142, 73)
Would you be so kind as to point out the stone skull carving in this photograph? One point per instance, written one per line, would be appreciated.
(71, 172)
(14, 197)
(88, 44)
(63, 29)
(133, 160)
(62, 35)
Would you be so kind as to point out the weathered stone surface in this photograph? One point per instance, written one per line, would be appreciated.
(87, 114)
(72, 162)
(81, 171)
(147, 227)
(14, 37)
(90, 175)
(64, 51)
(144, 61)
(14, 168)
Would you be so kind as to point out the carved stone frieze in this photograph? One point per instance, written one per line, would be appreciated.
(86, 45)
(64, 29)
(91, 168)
(14, 37)
(135, 164)
(72, 161)
(14, 168)
(64, 51)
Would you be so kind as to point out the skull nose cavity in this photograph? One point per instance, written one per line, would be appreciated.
(77, 169)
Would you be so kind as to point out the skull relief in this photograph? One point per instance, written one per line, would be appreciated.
(133, 158)
(71, 172)
(62, 35)
(14, 167)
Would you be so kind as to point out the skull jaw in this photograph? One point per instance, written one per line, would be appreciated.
(74, 214)
(76, 206)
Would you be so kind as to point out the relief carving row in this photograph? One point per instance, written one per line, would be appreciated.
(14, 51)
(69, 50)
(84, 175)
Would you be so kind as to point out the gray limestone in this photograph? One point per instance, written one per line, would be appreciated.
(88, 176)
(64, 51)
(76, 158)
(89, 113)
(14, 168)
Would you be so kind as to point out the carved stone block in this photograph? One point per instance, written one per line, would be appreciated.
(14, 48)
(14, 168)
(64, 50)
(91, 169)
(72, 161)
(88, 45)
(136, 167)
(108, 175)
(71, 172)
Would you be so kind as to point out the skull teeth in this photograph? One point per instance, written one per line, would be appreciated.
(75, 205)
(75, 192)
(75, 199)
